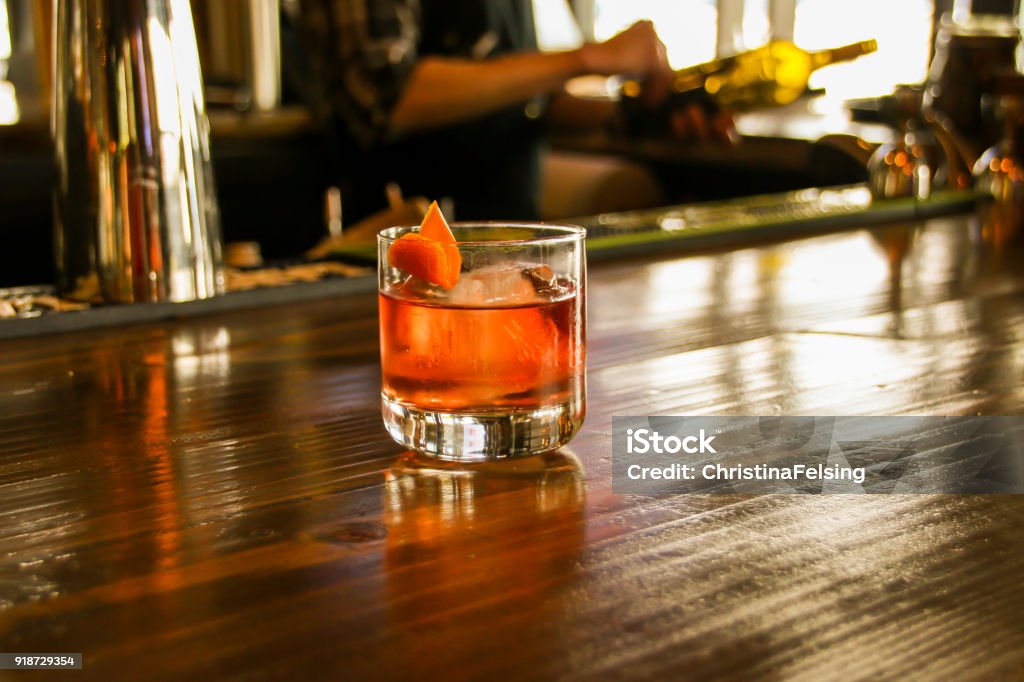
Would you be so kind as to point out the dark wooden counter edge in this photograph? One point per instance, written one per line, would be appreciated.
(155, 312)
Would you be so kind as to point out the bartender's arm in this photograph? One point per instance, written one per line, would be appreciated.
(442, 91)
(382, 88)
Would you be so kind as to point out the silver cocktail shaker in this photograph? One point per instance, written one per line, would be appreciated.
(135, 203)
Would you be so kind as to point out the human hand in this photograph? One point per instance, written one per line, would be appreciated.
(637, 52)
(695, 123)
(696, 120)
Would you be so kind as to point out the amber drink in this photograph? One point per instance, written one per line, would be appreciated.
(492, 366)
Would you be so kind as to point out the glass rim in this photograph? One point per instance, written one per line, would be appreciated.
(560, 233)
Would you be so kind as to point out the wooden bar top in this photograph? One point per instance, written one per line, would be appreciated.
(216, 498)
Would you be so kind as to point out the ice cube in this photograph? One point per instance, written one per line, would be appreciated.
(493, 284)
(546, 283)
(541, 277)
(417, 289)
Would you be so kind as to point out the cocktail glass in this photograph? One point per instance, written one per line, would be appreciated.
(494, 366)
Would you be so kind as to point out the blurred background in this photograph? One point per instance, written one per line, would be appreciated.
(274, 171)
(696, 31)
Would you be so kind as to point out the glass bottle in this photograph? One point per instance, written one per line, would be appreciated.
(774, 74)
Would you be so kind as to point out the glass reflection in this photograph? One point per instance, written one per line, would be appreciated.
(462, 534)
(863, 322)
(433, 497)
(895, 243)
(201, 355)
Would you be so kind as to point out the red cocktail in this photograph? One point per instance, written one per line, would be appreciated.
(493, 365)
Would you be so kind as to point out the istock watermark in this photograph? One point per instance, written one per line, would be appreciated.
(657, 455)
(642, 441)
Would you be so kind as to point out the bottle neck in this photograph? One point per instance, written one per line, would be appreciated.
(693, 77)
(842, 54)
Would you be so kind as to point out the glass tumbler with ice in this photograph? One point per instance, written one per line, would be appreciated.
(491, 366)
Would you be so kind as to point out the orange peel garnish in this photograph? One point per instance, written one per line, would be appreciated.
(430, 254)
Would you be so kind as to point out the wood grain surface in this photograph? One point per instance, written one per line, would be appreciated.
(216, 498)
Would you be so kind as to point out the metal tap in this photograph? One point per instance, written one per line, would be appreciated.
(135, 203)
(925, 156)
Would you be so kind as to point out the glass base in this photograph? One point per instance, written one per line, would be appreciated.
(481, 436)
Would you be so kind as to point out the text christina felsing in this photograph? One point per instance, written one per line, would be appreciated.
(757, 472)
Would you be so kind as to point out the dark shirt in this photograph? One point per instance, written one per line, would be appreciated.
(363, 53)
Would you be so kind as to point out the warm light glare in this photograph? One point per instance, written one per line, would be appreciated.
(689, 29)
(756, 24)
(556, 26)
(5, 33)
(850, 270)
(903, 32)
(9, 113)
(686, 26)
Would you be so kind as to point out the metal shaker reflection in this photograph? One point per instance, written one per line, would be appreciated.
(454, 527)
(136, 210)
